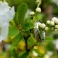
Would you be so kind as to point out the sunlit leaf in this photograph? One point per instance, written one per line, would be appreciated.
(31, 41)
(50, 46)
(13, 31)
(49, 38)
(17, 39)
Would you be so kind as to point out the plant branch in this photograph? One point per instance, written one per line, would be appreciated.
(26, 38)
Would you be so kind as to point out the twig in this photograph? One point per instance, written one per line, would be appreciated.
(26, 38)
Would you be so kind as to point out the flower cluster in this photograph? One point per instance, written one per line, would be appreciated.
(38, 9)
(38, 25)
(49, 23)
(53, 22)
(43, 27)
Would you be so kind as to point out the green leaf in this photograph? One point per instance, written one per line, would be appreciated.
(49, 38)
(31, 40)
(25, 55)
(16, 19)
(17, 39)
(28, 25)
(21, 11)
(13, 53)
(13, 31)
(50, 46)
(49, 43)
(39, 16)
(21, 53)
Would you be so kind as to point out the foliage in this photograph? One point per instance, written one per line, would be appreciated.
(24, 36)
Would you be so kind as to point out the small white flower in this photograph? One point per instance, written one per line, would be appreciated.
(28, 13)
(56, 43)
(37, 24)
(48, 21)
(52, 23)
(56, 26)
(6, 15)
(35, 54)
(55, 20)
(46, 28)
(48, 55)
(43, 25)
(32, 13)
(38, 9)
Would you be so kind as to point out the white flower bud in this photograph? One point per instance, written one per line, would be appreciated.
(48, 21)
(43, 25)
(35, 54)
(55, 42)
(55, 20)
(48, 55)
(37, 1)
(32, 13)
(37, 24)
(38, 9)
(46, 28)
(52, 23)
(56, 26)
